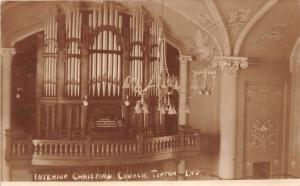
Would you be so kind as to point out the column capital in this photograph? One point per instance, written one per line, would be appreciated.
(7, 52)
(185, 58)
(230, 64)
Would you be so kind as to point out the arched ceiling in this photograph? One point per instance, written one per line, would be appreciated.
(234, 27)
(274, 35)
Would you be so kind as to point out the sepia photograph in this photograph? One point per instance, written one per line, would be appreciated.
(150, 90)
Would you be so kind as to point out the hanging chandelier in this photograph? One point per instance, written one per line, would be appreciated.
(163, 84)
(204, 80)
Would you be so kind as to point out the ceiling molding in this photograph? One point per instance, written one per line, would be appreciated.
(259, 14)
(295, 56)
(26, 32)
(192, 19)
(7, 6)
(213, 9)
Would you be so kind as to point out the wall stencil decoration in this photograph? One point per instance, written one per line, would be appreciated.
(263, 133)
(204, 18)
(238, 17)
(204, 47)
(264, 126)
(275, 32)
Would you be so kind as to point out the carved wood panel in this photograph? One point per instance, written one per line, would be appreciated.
(264, 126)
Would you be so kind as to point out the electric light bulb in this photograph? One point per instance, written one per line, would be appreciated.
(126, 102)
(85, 101)
(18, 95)
(187, 109)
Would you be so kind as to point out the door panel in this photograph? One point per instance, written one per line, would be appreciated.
(264, 126)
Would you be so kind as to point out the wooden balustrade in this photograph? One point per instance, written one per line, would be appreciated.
(20, 148)
(161, 144)
(59, 148)
(111, 148)
(89, 149)
(18, 145)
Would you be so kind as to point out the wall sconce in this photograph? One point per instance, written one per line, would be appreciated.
(19, 92)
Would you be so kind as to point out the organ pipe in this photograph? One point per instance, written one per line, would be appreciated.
(105, 60)
(72, 71)
(137, 45)
(105, 56)
(50, 27)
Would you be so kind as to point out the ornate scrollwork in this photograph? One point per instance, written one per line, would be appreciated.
(238, 17)
(229, 65)
(185, 59)
(274, 33)
(263, 132)
(204, 18)
(204, 47)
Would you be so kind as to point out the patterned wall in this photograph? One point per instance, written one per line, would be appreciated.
(264, 127)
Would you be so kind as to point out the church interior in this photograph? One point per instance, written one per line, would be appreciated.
(140, 90)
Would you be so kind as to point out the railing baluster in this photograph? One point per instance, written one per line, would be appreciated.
(134, 148)
(159, 146)
(107, 149)
(93, 149)
(129, 148)
(152, 146)
(66, 149)
(125, 149)
(14, 149)
(18, 148)
(70, 149)
(97, 149)
(121, 149)
(168, 144)
(81, 149)
(50, 149)
(112, 149)
(102, 150)
(117, 149)
(61, 149)
(24, 149)
(76, 149)
(55, 149)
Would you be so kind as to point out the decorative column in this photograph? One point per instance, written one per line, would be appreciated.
(5, 70)
(227, 112)
(183, 82)
(295, 117)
